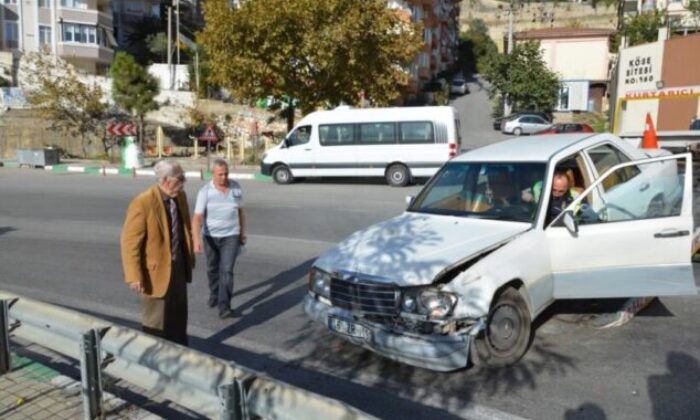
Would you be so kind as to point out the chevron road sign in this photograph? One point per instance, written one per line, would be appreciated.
(121, 129)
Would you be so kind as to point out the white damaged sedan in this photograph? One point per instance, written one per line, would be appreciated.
(482, 250)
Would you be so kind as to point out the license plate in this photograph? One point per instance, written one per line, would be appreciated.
(349, 328)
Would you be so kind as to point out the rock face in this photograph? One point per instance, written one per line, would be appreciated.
(536, 16)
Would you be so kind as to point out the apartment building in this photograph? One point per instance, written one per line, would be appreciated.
(440, 37)
(79, 31)
(679, 17)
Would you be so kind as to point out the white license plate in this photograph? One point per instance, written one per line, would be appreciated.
(352, 329)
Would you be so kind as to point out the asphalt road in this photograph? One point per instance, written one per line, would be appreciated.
(59, 242)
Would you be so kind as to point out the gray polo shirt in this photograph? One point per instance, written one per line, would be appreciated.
(220, 210)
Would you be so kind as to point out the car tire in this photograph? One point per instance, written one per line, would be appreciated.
(282, 175)
(518, 131)
(398, 175)
(507, 334)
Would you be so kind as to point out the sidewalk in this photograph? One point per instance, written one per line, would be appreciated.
(194, 168)
(34, 390)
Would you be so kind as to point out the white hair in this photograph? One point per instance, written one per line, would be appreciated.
(167, 169)
(220, 163)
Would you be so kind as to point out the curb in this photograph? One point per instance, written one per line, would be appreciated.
(134, 173)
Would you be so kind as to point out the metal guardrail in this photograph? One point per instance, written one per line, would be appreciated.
(199, 382)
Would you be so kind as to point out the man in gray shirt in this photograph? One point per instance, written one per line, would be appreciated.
(219, 224)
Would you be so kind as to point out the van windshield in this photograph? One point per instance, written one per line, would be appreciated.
(487, 190)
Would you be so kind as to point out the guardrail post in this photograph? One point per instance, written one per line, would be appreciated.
(233, 400)
(4, 336)
(91, 375)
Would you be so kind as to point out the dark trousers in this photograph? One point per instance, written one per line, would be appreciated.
(221, 257)
(166, 317)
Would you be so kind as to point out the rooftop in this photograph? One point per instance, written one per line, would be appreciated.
(527, 149)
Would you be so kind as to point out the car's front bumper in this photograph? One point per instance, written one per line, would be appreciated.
(265, 168)
(442, 353)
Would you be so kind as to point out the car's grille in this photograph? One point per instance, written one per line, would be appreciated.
(366, 297)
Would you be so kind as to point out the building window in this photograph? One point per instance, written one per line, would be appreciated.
(44, 36)
(74, 4)
(10, 1)
(563, 98)
(46, 4)
(133, 7)
(81, 34)
(11, 34)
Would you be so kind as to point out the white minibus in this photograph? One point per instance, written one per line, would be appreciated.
(398, 144)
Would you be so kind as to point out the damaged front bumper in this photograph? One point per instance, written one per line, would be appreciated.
(435, 352)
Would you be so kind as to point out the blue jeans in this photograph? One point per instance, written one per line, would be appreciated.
(221, 256)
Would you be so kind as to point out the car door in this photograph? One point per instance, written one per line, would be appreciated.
(337, 153)
(537, 124)
(619, 252)
(299, 151)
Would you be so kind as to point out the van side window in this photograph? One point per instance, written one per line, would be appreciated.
(301, 135)
(378, 133)
(336, 134)
(416, 132)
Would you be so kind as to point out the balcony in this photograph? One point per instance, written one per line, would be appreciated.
(90, 52)
(88, 17)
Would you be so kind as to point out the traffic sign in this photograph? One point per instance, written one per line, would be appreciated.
(121, 129)
(209, 134)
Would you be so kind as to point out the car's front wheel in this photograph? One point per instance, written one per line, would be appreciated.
(282, 175)
(518, 131)
(507, 334)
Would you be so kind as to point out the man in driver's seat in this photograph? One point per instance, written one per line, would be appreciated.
(562, 195)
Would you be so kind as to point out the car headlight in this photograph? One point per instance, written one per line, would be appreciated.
(429, 302)
(320, 282)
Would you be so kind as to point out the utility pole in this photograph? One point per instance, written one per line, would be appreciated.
(506, 101)
(177, 29)
(170, 46)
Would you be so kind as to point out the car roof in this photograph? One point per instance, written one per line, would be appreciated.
(533, 148)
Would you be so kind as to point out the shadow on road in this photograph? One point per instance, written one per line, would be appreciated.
(676, 394)
(6, 229)
(266, 305)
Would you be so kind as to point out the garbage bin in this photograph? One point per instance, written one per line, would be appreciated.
(37, 157)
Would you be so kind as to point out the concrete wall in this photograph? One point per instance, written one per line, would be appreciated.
(25, 129)
(535, 16)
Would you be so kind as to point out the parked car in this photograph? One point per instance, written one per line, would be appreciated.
(459, 86)
(560, 128)
(462, 274)
(524, 124)
(498, 120)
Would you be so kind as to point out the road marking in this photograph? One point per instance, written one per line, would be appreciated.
(111, 171)
(150, 172)
(76, 169)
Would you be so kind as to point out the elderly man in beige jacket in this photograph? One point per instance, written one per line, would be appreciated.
(157, 254)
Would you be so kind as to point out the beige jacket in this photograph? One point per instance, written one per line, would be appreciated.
(145, 241)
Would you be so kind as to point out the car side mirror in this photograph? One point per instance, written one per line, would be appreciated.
(409, 200)
(570, 223)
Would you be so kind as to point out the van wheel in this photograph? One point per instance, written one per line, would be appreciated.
(282, 175)
(507, 334)
(518, 131)
(398, 175)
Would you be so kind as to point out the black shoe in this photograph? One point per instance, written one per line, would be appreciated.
(212, 302)
(226, 313)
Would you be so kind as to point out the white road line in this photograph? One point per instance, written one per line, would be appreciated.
(76, 169)
(111, 171)
(150, 172)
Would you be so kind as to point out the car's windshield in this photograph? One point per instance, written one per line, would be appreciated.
(488, 190)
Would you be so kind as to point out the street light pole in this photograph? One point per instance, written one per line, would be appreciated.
(177, 29)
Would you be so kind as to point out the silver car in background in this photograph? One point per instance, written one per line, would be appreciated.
(524, 124)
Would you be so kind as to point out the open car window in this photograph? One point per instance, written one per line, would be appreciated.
(656, 191)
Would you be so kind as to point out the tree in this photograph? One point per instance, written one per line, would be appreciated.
(158, 46)
(642, 28)
(73, 106)
(321, 52)
(524, 77)
(476, 47)
(133, 89)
